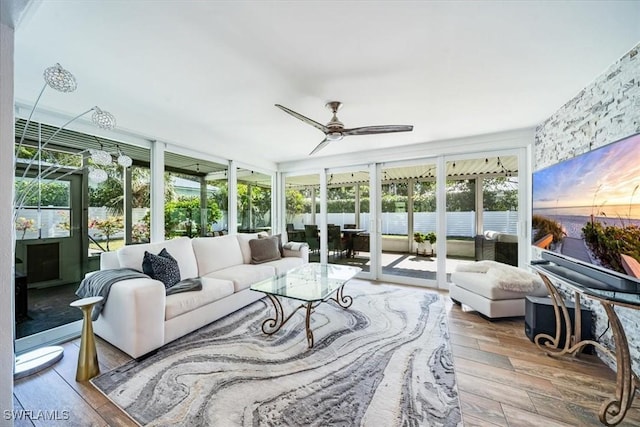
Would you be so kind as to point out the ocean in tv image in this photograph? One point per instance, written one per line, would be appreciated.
(591, 206)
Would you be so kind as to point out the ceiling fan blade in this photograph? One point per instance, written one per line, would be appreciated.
(369, 130)
(320, 146)
(307, 120)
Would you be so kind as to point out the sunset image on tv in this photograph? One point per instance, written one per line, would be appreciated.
(588, 207)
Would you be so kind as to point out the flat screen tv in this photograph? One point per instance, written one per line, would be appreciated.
(586, 210)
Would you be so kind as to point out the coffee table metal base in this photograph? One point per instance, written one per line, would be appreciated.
(273, 325)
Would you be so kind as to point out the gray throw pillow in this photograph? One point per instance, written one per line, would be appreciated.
(264, 250)
(162, 267)
(278, 237)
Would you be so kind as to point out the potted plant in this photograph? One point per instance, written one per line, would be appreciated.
(425, 242)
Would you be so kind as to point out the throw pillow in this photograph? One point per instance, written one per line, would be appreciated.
(277, 237)
(162, 267)
(264, 250)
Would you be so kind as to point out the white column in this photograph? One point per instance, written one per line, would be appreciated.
(410, 185)
(479, 204)
(157, 191)
(7, 244)
(357, 206)
(204, 210)
(441, 224)
(375, 222)
(127, 204)
(313, 203)
(278, 204)
(324, 238)
(232, 202)
(525, 171)
(250, 225)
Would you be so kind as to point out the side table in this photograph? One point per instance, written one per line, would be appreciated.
(88, 357)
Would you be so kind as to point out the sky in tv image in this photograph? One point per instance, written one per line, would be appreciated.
(604, 182)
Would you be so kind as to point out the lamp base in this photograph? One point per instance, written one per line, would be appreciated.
(36, 360)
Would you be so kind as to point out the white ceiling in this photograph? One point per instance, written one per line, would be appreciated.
(206, 74)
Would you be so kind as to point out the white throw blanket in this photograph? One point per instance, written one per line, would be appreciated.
(294, 246)
(506, 277)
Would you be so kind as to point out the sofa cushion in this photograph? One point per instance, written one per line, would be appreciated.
(212, 290)
(264, 250)
(243, 240)
(484, 285)
(162, 267)
(285, 264)
(131, 256)
(216, 253)
(244, 275)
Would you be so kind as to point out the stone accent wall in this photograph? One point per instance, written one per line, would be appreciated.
(605, 111)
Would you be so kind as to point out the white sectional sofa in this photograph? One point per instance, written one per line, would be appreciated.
(139, 317)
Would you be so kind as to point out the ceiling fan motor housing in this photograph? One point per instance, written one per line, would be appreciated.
(334, 125)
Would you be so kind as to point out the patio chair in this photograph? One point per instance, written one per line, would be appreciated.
(311, 237)
(349, 226)
(336, 242)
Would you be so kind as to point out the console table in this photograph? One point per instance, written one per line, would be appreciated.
(614, 409)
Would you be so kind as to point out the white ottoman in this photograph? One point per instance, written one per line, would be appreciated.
(492, 288)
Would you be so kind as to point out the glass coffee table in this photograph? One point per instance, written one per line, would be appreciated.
(312, 284)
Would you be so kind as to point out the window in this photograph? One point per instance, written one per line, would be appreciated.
(45, 210)
(254, 201)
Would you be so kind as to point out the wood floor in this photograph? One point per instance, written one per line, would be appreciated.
(503, 380)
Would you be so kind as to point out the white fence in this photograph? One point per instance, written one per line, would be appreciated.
(458, 223)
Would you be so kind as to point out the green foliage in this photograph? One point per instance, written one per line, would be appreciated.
(260, 205)
(295, 203)
(461, 195)
(52, 193)
(544, 226)
(111, 192)
(49, 157)
(609, 242)
(422, 237)
(182, 216)
(500, 194)
(221, 197)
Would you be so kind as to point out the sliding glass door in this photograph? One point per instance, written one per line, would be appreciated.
(348, 218)
(302, 207)
(414, 221)
(408, 223)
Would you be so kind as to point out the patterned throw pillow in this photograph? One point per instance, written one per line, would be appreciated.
(162, 267)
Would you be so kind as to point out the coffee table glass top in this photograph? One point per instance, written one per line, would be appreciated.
(309, 282)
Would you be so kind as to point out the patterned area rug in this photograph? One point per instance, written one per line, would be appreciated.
(385, 361)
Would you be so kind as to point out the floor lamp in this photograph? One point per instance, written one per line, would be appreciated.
(61, 80)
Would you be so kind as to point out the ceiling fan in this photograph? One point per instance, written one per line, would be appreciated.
(335, 131)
